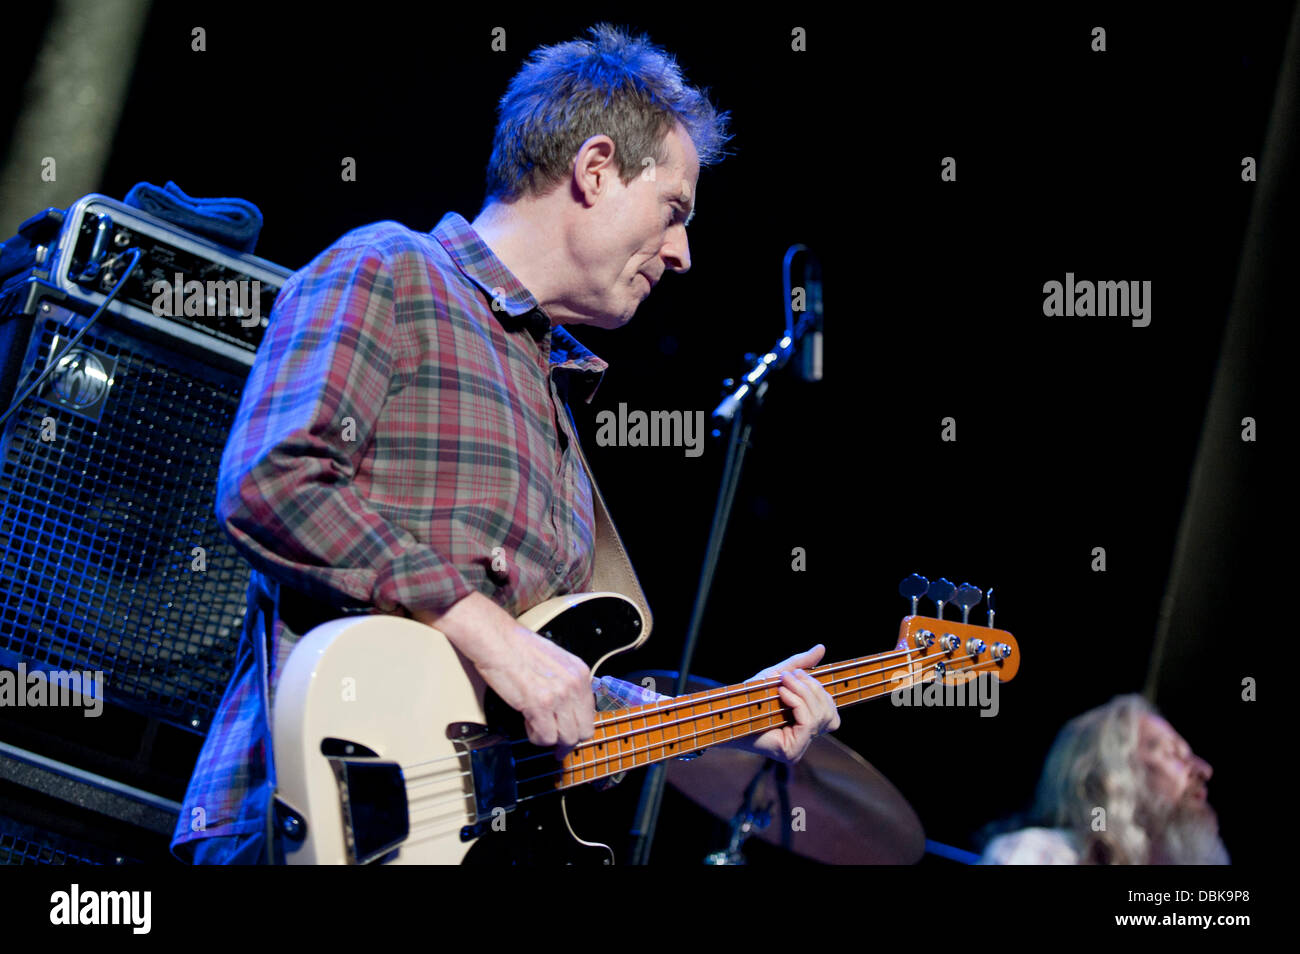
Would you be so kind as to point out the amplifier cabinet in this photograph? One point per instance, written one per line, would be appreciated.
(111, 558)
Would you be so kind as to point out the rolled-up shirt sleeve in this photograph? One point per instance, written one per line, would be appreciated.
(612, 693)
(313, 399)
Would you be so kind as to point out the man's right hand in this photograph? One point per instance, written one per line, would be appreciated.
(549, 686)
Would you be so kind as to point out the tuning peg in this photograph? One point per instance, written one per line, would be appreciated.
(992, 607)
(968, 595)
(913, 588)
(941, 592)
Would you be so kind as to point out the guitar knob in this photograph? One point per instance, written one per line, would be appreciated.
(950, 642)
(924, 639)
(913, 588)
(975, 646)
(967, 596)
(941, 592)
(1001, 651)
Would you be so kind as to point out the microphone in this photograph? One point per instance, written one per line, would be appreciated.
(810, 351)
(806, 332)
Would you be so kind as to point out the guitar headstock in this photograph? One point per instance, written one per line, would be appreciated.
(953, 651)
(960, 651)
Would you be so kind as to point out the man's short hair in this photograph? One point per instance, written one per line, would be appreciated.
(614, 84)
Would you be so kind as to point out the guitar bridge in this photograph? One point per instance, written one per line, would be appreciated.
(372, 796)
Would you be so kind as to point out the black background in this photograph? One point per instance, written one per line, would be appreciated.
(1073, 433)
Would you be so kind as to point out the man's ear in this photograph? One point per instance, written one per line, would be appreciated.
(594, 168)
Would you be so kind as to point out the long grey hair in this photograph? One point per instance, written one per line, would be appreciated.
(1091, 783)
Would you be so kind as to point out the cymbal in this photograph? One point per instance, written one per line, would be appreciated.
(838, 808)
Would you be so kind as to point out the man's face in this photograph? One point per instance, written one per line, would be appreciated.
(1175, 776)
(1183, 827)
(635, 233)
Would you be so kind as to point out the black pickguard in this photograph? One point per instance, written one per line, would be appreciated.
(535, 832)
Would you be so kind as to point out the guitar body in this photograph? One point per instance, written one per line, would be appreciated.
(390, 748)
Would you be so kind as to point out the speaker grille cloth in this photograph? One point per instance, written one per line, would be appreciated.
(98, 529)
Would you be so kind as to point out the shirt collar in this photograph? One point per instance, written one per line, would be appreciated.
(514, 305)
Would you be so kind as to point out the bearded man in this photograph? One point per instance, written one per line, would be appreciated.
(1120, 787)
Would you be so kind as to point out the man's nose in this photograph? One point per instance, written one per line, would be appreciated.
(1201, 767)
(677, 252)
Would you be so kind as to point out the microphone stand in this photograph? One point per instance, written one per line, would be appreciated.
(731, 410)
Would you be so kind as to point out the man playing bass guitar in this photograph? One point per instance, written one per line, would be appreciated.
(403, 444)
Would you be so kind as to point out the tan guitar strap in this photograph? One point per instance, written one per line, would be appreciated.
(613, 571)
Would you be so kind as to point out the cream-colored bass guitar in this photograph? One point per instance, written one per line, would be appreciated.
(390, 748)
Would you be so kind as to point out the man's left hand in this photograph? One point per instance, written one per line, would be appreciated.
(814, 710)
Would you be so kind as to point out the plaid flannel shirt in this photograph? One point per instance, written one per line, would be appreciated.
(403, 440)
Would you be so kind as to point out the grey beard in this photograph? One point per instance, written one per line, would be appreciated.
(1190, 838)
